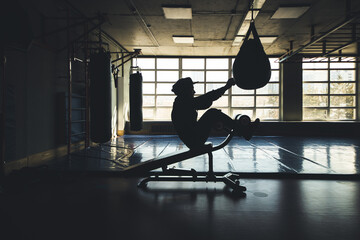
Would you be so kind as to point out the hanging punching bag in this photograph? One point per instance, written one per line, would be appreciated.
(100, 97)
(251, 68)
(136, 102)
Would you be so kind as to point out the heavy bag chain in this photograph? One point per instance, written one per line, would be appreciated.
(251, 68)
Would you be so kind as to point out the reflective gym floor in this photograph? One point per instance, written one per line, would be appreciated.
(297, 188)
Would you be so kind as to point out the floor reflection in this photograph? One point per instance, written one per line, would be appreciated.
(306, 155)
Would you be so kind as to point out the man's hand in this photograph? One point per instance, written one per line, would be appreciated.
(230, 83)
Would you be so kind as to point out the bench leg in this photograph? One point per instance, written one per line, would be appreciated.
(230, 180)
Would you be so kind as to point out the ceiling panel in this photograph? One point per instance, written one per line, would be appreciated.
(141, 24)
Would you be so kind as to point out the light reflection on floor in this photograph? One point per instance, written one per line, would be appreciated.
(260, 155)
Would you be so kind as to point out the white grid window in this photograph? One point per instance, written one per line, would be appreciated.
(159, 74)
(329, 90)
(263, 103)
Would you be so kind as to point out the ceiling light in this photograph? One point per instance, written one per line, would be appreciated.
(177, 12)
(183, 39)
(267, 39)
(289, 12)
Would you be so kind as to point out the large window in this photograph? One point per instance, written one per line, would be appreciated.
(329, 90)
(159, 74)
(263, 103)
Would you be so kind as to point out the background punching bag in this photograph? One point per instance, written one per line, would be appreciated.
(136, 102)
(100, 97)
(251, 68)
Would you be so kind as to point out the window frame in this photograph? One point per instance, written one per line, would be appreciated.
(328, 107)
(229, 108)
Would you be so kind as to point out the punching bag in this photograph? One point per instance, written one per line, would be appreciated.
(136, 102)
(251, 68)
(100, 97)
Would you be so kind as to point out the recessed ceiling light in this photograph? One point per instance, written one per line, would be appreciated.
(289, 12)
(177, 12)
(183, 39)
(267, 39)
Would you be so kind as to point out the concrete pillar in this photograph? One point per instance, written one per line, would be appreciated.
(291, 89)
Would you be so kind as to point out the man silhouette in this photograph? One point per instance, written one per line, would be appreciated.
(184, 114)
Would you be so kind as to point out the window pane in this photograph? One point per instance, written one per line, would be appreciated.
(148, 88)
(165, 101)
(315, 88)
(342, 75)
(243, 101)
(237, 90)
(342, 65)
(167, 76)
(199, 88)
(315, 114)
(318, 75)
(315, 101)
(217, 76)
(270, 88)
(248, 112)
(148, 76)
(274, 63)
(167, 63)
(148, 101)
(196, 76)
(224, 110)
(274, 76)
(342, 88)
(164, 88)
(221, 102)
(265, 114)
(145, 63)
(163, 113)
(267, 101)
(214, 86)
(342, 101)
(193, 63)
(200, 113)
(342, 114)
(315, 65)
(217, 63)
(148, 113)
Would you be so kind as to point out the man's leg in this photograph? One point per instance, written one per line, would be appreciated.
(213, 117)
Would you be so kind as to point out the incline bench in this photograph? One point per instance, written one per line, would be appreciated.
(171, 174)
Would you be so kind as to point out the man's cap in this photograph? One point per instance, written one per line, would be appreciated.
(182, 84)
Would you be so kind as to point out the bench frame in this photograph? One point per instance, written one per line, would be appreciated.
(231, 180)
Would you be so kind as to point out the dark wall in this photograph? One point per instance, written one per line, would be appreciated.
(41, 108)
(36, 80)
(30, 97)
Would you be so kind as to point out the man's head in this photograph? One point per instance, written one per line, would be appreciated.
(184, 87)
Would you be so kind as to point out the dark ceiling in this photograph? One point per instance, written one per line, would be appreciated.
(215, 23)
